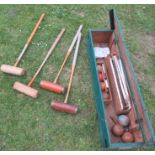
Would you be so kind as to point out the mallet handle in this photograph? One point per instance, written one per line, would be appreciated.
(68, 53)
(134, 126)
(35, 28)
(47, 56)
(29, 39)
(73, 67)
(116, 84)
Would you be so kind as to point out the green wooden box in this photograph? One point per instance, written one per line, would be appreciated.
(98, 36)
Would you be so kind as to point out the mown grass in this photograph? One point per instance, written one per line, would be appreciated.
(28, 124)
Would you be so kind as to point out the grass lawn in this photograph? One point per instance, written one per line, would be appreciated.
(28, 124)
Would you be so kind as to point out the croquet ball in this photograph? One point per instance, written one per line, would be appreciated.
(117, 130)
(100, 76)
(102, 85)
(99, 68)
(127, 137)
(123, 120)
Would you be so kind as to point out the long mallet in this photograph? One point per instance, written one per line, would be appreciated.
(27, 89)
(64, 106)
(14, 70)
(53, 86)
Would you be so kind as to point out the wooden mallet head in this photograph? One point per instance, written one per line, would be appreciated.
(64, 107)
(13, 70)
(51, 86)
(25, 89)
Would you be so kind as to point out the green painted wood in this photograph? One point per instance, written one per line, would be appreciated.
(98, 95)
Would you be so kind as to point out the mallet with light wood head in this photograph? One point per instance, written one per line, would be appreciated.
(64, 106)
(27, 89)
(14, 70)
(53, 86)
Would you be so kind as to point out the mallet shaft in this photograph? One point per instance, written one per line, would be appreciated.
(47, 56)
(29, 40)
(73, 67)
(116, 84)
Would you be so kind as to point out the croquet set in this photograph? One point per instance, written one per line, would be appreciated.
(122, 115)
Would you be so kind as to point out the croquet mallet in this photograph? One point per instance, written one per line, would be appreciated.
(14, 70)
(64, 106)
(53, 86)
